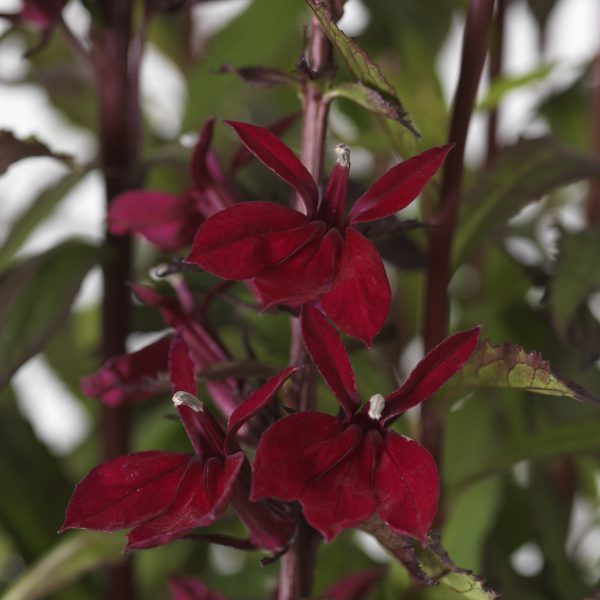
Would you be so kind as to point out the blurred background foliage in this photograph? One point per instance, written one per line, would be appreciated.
(521, 471)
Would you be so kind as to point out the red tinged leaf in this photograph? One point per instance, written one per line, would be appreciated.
(202, 495)
(296, 450)
(243, 240)
(198, 164)
(407, 486)
(443, 361)
(135, 376)
(275, 155)
(359, 302)
(126, 491)
(256, 401)
(398, 187)
(343, 496)
(188, 588)
(304, 276)
(327, 352)
(167, 221)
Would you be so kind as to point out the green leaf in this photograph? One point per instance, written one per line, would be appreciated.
(42, 207)
(509, 366)
(522, 173)
(70, 559)
(12, 150)
(35, 299)
(504, 85)
(576, 276)
(360, 64)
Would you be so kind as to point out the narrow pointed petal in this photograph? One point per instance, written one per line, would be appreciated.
(126, 491)
(128, 377)
(241, 241)
(188, 588)
(342, 497)
(202, 496)
(296, 450)
(446, 359)
(399, 186)
(359, 302)
(167, 221)
(304, 276)
(327, 352)
(334, 200)
(275, 155)
(256, 401)
(199, 162)
(407, 486)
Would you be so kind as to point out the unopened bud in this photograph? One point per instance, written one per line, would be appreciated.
(377, 404)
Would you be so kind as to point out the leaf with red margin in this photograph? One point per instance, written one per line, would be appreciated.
(243, 240)
(275, 155)
(126, 491)
(327, 352)
(443, 361)
(343, 496)
(359, 302)
(256, 401)
(188, 588)
(399, 186)
(304, 276)
(128, 377)
(203, 494)
(407, 486)
(167, 221)
(296, 450)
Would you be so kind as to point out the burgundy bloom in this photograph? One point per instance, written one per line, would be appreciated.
(162, 496)
(294, 258)
(343, 470)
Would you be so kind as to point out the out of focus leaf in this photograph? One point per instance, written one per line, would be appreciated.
(69, 560)
(509, 366)
(35, 298)
(13, 149)
(260, 76)
(363, 68)
(576, 275)
(504, 85)
(34, 487)
(522, 173)
(541, 10)
(239, 369)
(41, 208)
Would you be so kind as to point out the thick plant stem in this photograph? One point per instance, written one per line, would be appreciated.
(119, 115)
(439, 267)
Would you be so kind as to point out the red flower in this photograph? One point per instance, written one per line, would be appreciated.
(342, 470)
(162, 496)
(42, 13)
(294, 258)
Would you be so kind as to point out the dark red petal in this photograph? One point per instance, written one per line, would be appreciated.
(446, 359)
(135, 376)
(399, 186)
(343, 497)
(188, 588)
(198, 163)
(334, 200)
(304, 276)
(353, 587)
(296, 450)
(243, 240)
(126, 491)
(359, 302)
(407, 486)
(329, 356)
(167, 221)
(202, 496)
(275, 155)
(41, 12)
(256, 401)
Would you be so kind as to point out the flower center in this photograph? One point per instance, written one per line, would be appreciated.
(376, 406)
(343, 155)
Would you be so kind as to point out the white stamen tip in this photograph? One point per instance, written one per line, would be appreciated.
(377, 404)
(185, 399)
(343, 155)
